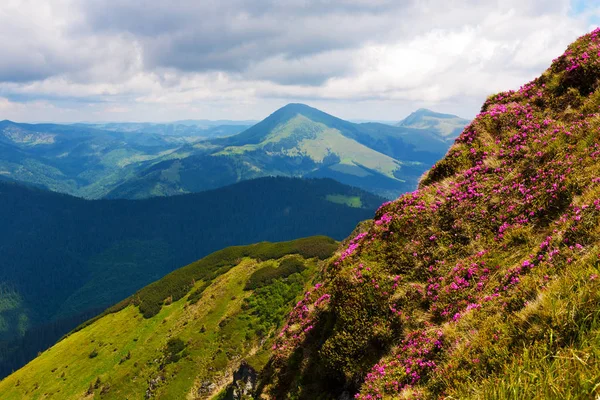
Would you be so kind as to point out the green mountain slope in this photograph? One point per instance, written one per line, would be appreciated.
(483, 283)
(210, 316)
(298, 140)
(64, 258)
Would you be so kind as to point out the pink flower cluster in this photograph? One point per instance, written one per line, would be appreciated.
(301, 321)
(506, 214)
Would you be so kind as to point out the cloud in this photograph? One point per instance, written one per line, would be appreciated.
(362, 58)
(243, 35)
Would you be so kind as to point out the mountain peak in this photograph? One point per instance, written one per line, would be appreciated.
(259, 132)
(425, 112)
(297, 107)
(292, 109)
(448, 125)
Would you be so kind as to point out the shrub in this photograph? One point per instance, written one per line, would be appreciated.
(173, 351)
(178, 283)
(266, 275)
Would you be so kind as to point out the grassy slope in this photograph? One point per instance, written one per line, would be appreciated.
(219, 330)
(484, 282)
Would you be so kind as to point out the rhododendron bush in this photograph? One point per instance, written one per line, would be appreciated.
(458, 279)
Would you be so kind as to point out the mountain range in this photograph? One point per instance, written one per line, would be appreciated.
(187, 128)
(65, 259)
(140, 160)
(481, 284)
(82, 160)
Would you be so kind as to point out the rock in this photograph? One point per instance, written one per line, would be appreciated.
(244, 383)
(206, 388)
(152, 385)
(345, 396)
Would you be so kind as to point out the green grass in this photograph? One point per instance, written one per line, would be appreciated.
(178, 283)
(181, 346)
(265, 276)
(556, 354)
(350, 201)
(175, 285)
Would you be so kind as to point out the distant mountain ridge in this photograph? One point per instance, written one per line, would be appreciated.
(298, 140)
(89, 160)
(187, 128)
(137, 160)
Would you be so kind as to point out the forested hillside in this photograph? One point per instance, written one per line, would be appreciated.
(64, 259)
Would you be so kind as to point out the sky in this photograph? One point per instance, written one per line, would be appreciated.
(151, 60)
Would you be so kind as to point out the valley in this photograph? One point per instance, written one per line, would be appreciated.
(65, 259)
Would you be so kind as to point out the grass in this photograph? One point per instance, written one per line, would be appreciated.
(199, 274)
(350, 201)
(266, 275)
(180, 348)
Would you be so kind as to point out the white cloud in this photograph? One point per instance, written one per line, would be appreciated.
(241, 59)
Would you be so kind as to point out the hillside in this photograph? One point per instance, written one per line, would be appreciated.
(483, 283)
(298, 140)
(207, 317)
(64, 259)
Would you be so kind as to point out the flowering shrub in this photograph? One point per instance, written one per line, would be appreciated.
(431, 293)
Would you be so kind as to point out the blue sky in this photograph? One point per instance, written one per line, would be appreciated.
(587, 8)
(143, 60)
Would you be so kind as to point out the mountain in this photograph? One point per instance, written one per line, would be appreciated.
(77, 160)
(298, 140)
(206, 123)
(481, 284)
(190, 129)
(64, 258)
(141, 160)
(206, 317)
(447, 125)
